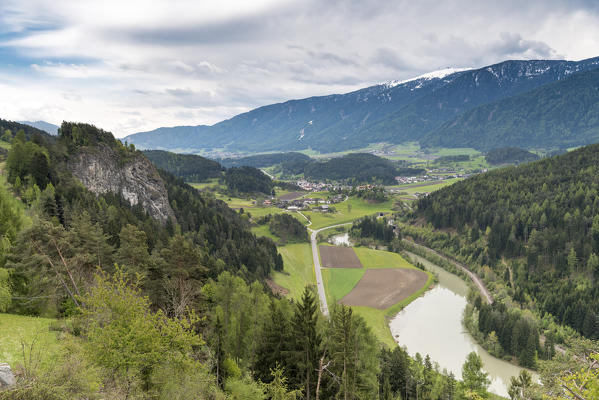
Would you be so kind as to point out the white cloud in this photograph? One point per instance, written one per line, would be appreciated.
(136, 65)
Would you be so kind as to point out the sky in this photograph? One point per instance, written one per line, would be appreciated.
(129, 66)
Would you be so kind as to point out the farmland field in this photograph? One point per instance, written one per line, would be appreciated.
(382, 288)
(291, 196)
(338, 257)
(339, 282)
(358, 209)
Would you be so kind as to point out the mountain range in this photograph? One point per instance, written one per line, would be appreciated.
(43, 126)
(435, 109)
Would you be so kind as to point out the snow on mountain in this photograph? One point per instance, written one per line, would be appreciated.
(439, 74)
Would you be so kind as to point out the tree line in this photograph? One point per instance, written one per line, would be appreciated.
(541, 219)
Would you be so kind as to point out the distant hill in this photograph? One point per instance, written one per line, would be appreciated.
(354, 168)
(510, 155)
(394, 112)
(14, 127)
(43, 125)
(189, 167)
(559, 114)
(264, 160)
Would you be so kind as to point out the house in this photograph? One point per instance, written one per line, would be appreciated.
(293, 208)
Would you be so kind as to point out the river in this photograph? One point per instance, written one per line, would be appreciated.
(432, 324)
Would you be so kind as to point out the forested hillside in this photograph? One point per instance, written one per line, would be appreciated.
(561, 114)
(264, 160)
(14, 127)
(71, 222)
(353, 168)
(509, 155)
(150, 310)
(189, 167)
(248, 180)
(536, 225)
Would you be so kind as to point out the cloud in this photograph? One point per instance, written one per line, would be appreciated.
(136, 65)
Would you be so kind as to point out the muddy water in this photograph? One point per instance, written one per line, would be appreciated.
(432, 324)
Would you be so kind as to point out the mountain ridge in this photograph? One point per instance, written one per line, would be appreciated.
(561, 114)
(390, 113)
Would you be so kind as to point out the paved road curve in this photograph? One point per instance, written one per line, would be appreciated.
(319, 285)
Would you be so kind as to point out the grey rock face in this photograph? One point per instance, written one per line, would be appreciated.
(7, 378)
(101, 170)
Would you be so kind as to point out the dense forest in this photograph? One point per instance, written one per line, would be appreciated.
(354, 168)
(248, 180)
(71, 222)
(189, 167)
(286, 227)
(509, 155)
(264, 160)
(536, 226)
(374, 228)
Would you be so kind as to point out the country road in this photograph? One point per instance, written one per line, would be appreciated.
(317, 271)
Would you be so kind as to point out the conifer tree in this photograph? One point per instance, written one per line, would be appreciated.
(306, 342)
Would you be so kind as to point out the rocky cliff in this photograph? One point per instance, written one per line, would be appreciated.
(102, 170)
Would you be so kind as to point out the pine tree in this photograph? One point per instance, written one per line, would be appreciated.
(132, 253)
(306, 342)
(275, 344)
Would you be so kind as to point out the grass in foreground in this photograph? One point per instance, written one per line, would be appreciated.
(298, 269)
(17, 331)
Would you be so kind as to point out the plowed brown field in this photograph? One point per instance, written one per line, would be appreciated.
(382, 288)
(338, 257)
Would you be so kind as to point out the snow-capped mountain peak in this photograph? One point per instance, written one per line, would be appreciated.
(439, 74)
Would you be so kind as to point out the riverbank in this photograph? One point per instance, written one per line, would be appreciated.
(432, 325)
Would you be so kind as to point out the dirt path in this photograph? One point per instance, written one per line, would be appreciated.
(475, 278)
(317, 269)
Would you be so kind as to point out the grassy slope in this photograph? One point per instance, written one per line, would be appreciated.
(264, 230)
(359, 208)
(340, 281)
(18, 330)
(204, 185)
(298, 269)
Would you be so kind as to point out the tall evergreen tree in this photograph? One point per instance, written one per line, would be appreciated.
(306, 342)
